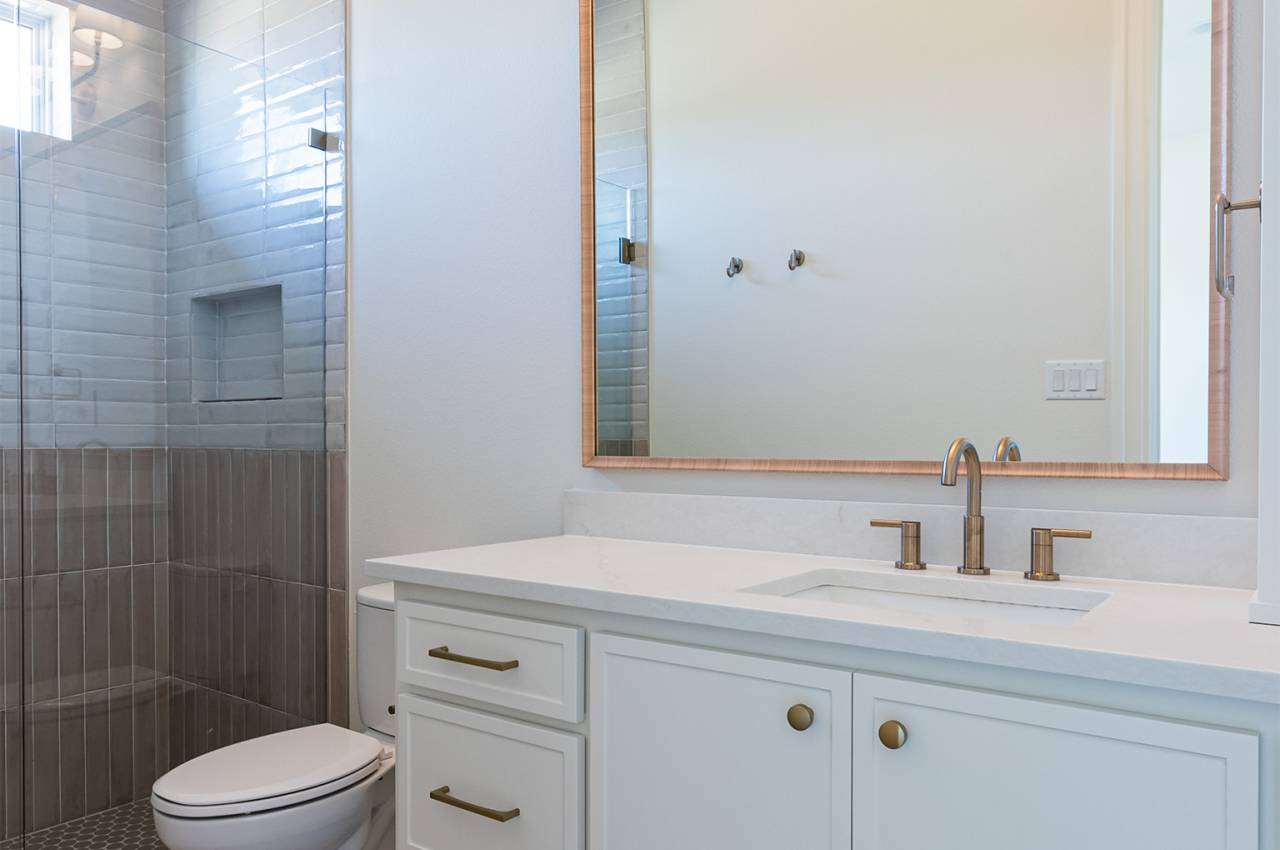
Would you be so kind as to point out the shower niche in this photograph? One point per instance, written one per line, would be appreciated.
(237, 345)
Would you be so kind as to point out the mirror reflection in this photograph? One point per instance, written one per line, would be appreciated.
(855, 230)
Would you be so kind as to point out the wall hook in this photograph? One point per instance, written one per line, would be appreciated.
(796, 260)
(735, 266)
(1223, 206)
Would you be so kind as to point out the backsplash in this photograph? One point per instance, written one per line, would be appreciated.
(1207, 550)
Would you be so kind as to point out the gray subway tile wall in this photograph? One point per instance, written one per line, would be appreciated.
(166, 570)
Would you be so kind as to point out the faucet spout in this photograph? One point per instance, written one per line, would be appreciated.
(962, 448)
(974, 533)
(1007, 451)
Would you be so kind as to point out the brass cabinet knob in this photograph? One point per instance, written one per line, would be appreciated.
(893, 734)
(800, 716)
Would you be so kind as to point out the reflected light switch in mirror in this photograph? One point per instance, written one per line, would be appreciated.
(1075, 380)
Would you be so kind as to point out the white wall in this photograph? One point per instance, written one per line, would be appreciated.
(465, 366)
(949, 170)
(1266, 606)
(1185, 146)
(464, 173)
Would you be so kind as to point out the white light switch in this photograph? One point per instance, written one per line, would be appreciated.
(1075, 379)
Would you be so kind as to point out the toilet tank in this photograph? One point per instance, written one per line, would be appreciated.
(376, 656)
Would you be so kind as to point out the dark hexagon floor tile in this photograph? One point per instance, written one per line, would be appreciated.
(128, 827)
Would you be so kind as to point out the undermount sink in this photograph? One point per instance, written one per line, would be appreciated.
(993, 599)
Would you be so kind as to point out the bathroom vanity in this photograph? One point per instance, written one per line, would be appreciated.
(574, 692)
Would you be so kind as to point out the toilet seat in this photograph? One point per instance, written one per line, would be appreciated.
(267, 773)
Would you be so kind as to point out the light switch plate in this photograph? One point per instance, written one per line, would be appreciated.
(1075, 380)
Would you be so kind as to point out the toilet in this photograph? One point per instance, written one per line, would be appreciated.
(320, 787)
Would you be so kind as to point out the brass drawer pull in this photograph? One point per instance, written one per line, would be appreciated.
(443, 653)
(441, 795)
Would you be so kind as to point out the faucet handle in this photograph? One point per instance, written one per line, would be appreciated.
(1042, 551)
(910, 542)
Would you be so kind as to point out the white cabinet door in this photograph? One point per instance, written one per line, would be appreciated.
(692, 750)
(984, 771)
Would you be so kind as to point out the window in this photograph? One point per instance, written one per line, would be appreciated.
(35, 68)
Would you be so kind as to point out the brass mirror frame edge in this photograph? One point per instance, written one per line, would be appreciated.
(1216, 469)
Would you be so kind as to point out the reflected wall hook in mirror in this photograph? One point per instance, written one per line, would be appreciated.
(1222, 206)
(735, 267)
(796, 260)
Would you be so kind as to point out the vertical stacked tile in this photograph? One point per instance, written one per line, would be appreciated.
(340, 659)
(250, 596)
(622, 290)
(86, 618)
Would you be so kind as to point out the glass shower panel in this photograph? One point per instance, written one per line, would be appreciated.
(164, 542)
(95, 532)
(11, 587)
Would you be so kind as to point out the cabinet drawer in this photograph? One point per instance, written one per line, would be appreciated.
(521, 664)
(994, 771)
(471, 781)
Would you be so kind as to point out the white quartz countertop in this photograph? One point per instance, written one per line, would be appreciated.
(1184, 637)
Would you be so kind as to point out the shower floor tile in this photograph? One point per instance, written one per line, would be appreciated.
(122, 828)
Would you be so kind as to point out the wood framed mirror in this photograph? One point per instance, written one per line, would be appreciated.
(988, 219)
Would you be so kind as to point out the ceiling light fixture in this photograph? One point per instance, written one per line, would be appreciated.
(99, 38)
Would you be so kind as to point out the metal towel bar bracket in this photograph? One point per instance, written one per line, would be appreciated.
(1222, 206)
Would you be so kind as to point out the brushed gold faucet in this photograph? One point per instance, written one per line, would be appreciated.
(1007, 451)
(974, 539)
